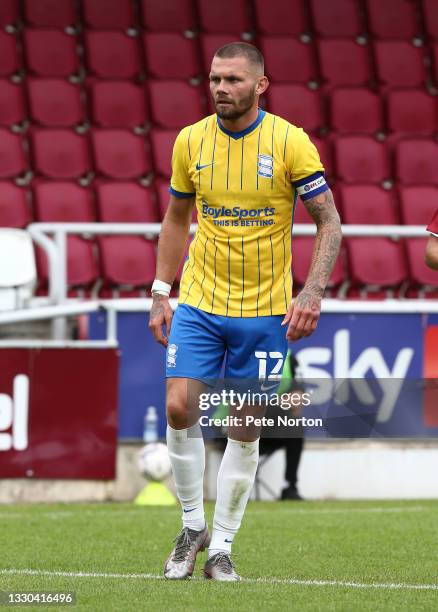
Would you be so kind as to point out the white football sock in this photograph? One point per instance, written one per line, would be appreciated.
(234, 483)
(187, 457)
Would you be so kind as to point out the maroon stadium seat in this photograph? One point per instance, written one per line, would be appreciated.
(412, 112)
(126, 203)
(127, 260)
(63, 202)
(435, 62)
(336, 18)
(227, 16)
(361, 159)
(417, 162)
(112, 55)
(392, 19)
(300, 213)
(355, 111)
(50, 53)
(14, 207)
(399, 64)
(9, 59)
(118, 104)
(56, 14)
(55, 103)
(210, 43)
(82, 268)
(60, 154)
(368, 205)
(280, 17)
(12, 110)
(169, 16)
(302, 248)
(12, 159)
(344, 62)
(430, 15)
(162, 147)
(174, 104)
(418, 204)
(419, 273)
(297, 104)
(324, 153)
(170, 56)
(288, 60)
(8, 13)
(108, 14)
(376, 261)
(120, 154)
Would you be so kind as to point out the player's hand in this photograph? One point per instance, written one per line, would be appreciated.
(303, 315)
(161, 314)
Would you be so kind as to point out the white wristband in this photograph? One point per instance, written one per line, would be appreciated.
(160, 288)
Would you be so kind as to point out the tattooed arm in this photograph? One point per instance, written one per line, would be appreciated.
(303, 314)
(171, 245)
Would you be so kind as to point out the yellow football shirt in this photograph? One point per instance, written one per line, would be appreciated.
(246, 184)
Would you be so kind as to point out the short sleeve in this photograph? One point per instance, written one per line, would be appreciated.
(303, 164)
(181, 185)
(433, 225)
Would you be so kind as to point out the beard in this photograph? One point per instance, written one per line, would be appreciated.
(233, 112)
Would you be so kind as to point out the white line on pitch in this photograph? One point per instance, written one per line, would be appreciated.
(291, 581)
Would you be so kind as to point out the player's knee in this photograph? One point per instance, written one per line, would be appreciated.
(176, 409)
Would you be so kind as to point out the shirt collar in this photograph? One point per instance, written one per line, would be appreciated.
(250, 128)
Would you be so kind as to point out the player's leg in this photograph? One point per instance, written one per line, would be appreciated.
(247, 340)
(195, 352)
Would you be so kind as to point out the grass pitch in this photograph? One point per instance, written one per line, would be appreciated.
(346, 556)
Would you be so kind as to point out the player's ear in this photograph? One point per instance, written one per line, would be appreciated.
(262, 85)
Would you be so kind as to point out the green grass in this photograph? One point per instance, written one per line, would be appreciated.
(363, 542)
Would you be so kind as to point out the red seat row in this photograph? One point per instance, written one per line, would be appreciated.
(389, 19)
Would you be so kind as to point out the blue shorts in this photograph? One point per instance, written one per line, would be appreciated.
(253, 347)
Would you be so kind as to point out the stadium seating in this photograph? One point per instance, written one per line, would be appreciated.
(126, 203)
(214, 17)
(280, 18)
(288, 60)
(419, 274)
(417, 162)
(14, 206)
(108, 14)
(360, 159)
(412, 112)
(324, 151)
(56, 14)
(435, 62)
(55, 103)
(121, 155)
(169, 16)
(12, 111)
(300, 214)
(297, 104)
(127, 260)
(430, 14)
(399, 64)
(8, 13)
(376, 262)
(50, 53)
(111, 55)
(12, 159)
(210, 43)
(170, 56)
(9, 59)
(174, 104)
(368, 205)
(82, 267)
(118, 104)
(302, 248)
(344, 62)
(162, 146)
(60, 154)
(62, 202)
(392, 19)
(336, 18)
(418, 204)
(356, 111)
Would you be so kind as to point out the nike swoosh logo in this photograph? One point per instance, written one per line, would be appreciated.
(228, 541)
(191, 510)
(265, 387)
(198, 167)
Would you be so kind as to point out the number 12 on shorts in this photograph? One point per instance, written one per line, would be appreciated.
(275, 373)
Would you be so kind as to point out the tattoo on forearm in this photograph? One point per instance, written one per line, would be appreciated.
(157, 309)
(327, 242)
